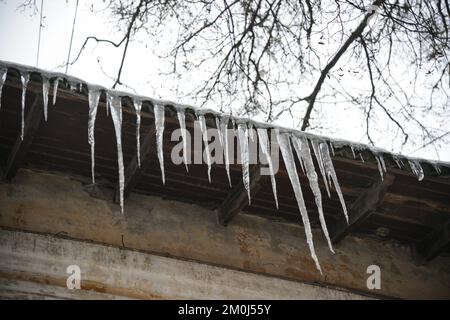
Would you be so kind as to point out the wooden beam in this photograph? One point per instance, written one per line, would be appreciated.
(20, 149)
(362, 208)
(433, 244)
(133, 172)
(237, 199)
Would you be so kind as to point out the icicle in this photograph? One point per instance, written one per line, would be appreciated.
(3, 72)
(203, 129)
(243, 146)
(264, 145)
(301, 146)
(224, 133)
(380, 169)
(55, 89)
(219, 132)
(159, 123)
(353, 152)
(288, 157)
(24, 77)
(182, 120)
(360, 155)
(332, 148)
(93, 96)
(137, 108)
(416, 169)
(436, 168)
(331, 173)
(383, 164)
(73, 86)
(250, 131)
(115, 103)
(45, 90)
(315, 145)
(397, 161)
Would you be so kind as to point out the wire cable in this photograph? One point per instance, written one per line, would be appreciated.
(71, 37)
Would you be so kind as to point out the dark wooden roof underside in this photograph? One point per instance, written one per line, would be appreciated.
(401, 208)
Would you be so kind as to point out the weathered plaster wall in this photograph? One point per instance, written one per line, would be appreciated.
(33, 265)
(60, 206)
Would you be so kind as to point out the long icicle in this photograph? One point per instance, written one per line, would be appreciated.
(45, 90)
(263, 140)
(182, 120)
(93, 96)
(331, 173)
(243, 146)
(24, 77)
(3, 73)
(315, 145)
(115, 103)
(301, 147)
(137, 103)
(224, 132)
(288, 157)
(159, 123)
(55, 89)
(219, 132)
(203, 129)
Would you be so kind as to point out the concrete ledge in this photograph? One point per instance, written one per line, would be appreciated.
(34, 266)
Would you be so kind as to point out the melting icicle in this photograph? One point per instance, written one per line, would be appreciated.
(3, 72)
(73, 86)
(331, 173)
(397, 161)
(55, 89)
(288, 157)
(264, 145)
(182, 120)
(116, 115)
(250, 131)
(416, 169)
(45, 90)
(219, 131)
(203, 129)
(301, 147)
(137, 108)
(159, 123)
(224, 133)
(381, 164)
(380, 169)
(315, 145)
(436, 168)
(94, 96)
(243, 146)
(332, 148)
(353, 152)
(24, 77)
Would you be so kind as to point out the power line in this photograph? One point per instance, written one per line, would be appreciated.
(71, 37)
(40, 30)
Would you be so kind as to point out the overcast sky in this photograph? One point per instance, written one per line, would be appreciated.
(19, 41)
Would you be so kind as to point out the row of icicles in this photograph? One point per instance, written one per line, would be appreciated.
(286, 141)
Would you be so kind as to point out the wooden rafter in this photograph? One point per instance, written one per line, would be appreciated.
(133, 172)
(237, 199)
(433, 244)
(20, 149)
(362, 208)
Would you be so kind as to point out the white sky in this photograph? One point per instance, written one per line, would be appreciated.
(19, 39)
